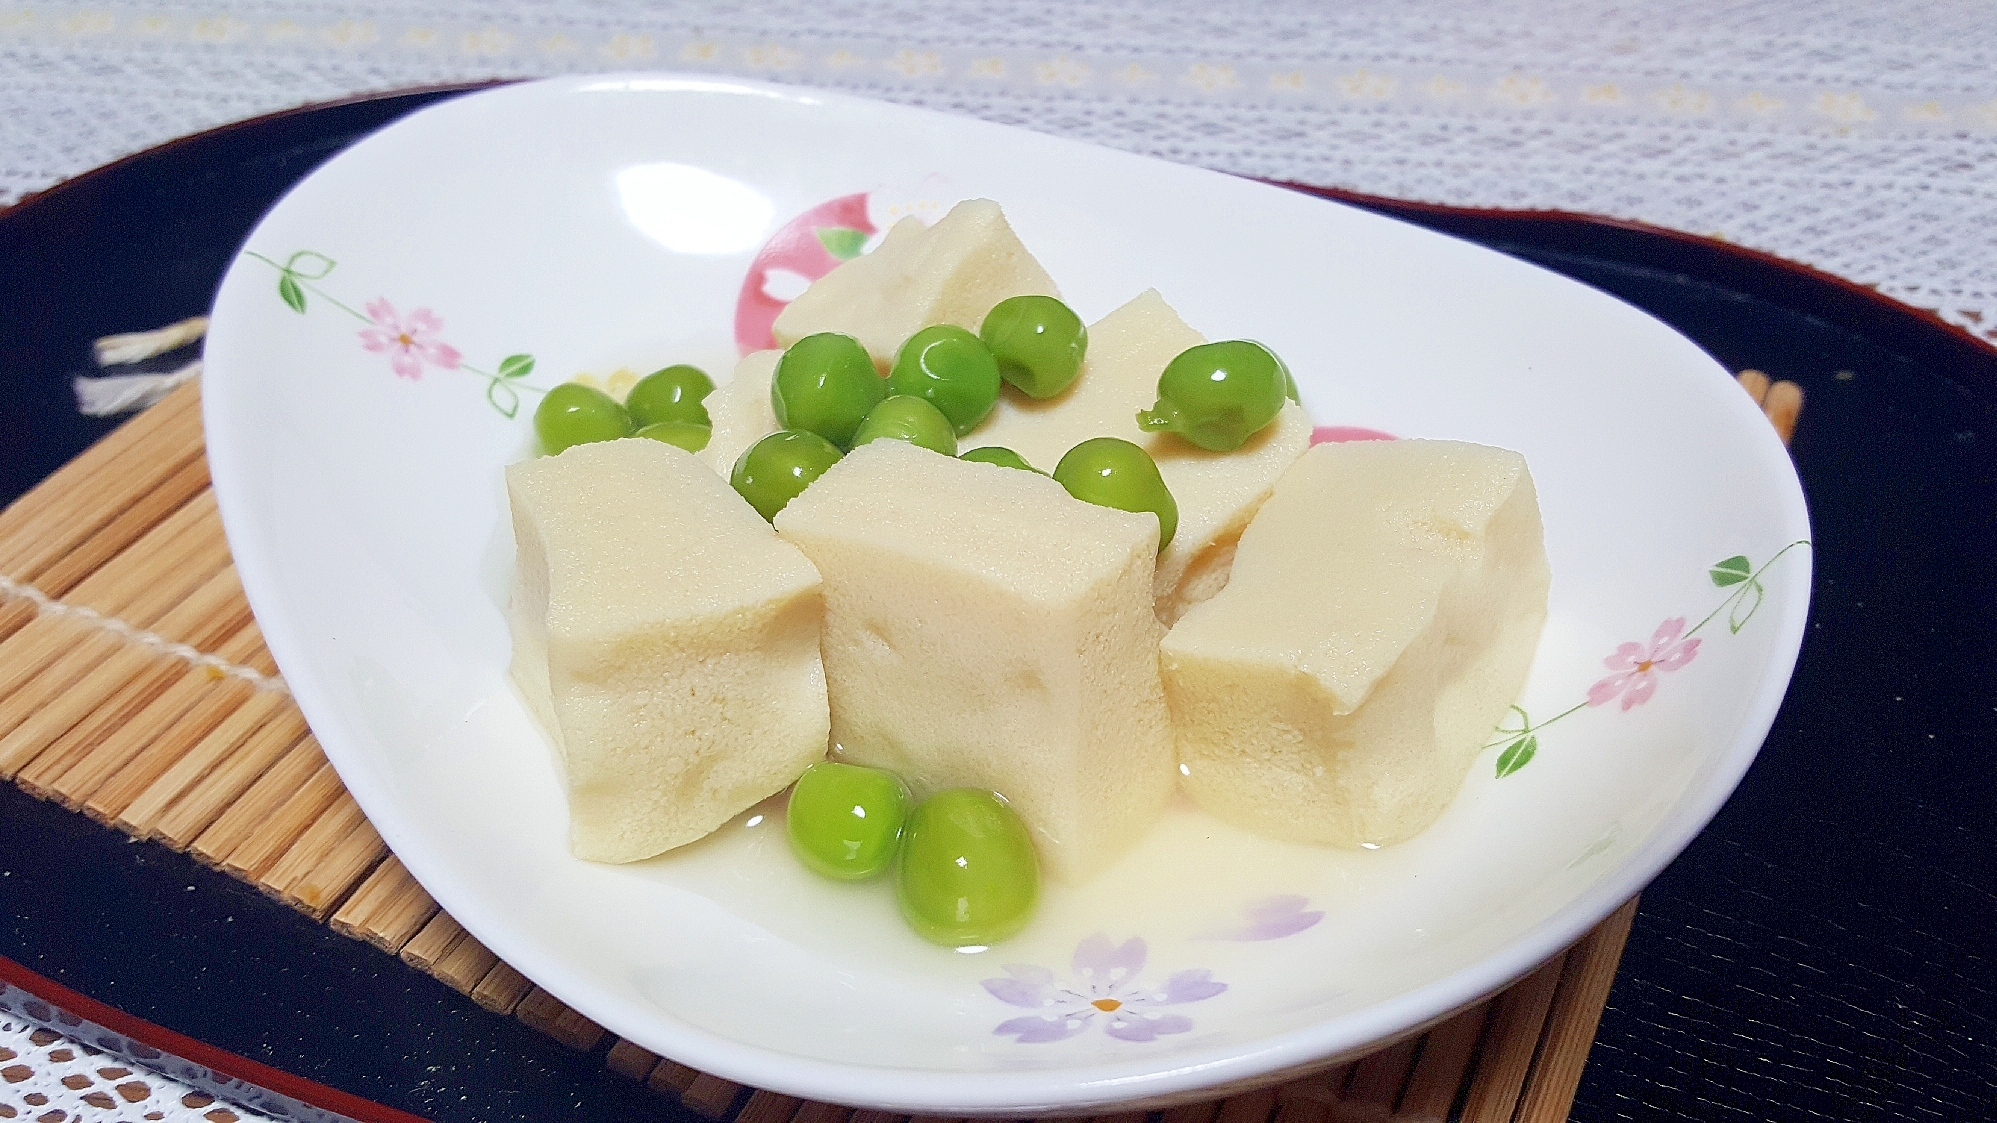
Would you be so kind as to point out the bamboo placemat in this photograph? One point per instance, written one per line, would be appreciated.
(136, 689)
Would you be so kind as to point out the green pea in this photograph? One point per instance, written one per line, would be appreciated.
(845, 821)
(574, 414)
(777, 469)
(825, 384)
(674, 393)
(968, 873)
(952, 370)
(907, 418)
(1110, 472)
(685, 434)
(1000, 455)
(1038, 342)
(1217, 395)
(1289, 380)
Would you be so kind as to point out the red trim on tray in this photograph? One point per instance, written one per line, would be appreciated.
(207, 1056)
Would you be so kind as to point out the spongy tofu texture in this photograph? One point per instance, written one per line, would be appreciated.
(1383, 612)
(740, 411)
(949, 273)
(666, 639)
(984, 629)
(1217, 492)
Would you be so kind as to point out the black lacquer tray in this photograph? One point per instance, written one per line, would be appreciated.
(1823, 951)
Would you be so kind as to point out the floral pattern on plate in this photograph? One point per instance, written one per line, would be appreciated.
(411, 340)
(820, 240)
(1104, 989)
(1270, 918)
(1637, 667)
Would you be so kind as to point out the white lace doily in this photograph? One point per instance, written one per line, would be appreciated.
(1858, 137)
(48, 1075)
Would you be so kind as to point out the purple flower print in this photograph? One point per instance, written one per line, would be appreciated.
(1638, 665)
(407, 339)
(1270, 918)
(1104, 988)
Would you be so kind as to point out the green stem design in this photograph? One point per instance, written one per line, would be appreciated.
(304, 280)
(1752, 584)
(1527, 728)
(294, 280)
(1522, 742)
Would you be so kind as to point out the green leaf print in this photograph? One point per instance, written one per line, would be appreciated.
(1732, 571)
(1517, 756)
(842, 242)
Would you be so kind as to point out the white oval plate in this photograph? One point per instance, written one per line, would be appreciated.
(368, 346)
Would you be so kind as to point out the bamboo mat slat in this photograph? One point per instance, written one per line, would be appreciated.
(1446, 1053)
(433, 942)
(223, 789)
(15, 615)
(135, 688)
(62, 729)
(387, 910)
(195, 702)
(328, 860)
(546, 1013)
(113, 480)
(182, 790)
(768, 1107)
(1509, 1044)
(1303, 1111)
(1583, 994)
(1376, 1083)
(254, 856)
(234, 839)
(502, 989)
(151, 573)
(170, 495)
(29, 652)
(1202, 1112)
(627, 1058)
(673, 1078)
(814, 1112)
(1248, 1107)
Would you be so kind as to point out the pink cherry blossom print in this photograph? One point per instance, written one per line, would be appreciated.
(409, 341)
(1637, 665)
(1336, 434)
(803, 250)
(1104, 989)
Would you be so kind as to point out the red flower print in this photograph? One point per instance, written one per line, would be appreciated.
(1336, 434)
(1637, 665)
(407, 339)
(794, 257)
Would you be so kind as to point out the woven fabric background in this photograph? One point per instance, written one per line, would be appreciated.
(1858, 137)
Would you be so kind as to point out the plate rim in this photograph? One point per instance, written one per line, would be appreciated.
(1084, 1086)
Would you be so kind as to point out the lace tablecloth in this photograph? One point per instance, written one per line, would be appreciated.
(1857, 137)
(45, 1075)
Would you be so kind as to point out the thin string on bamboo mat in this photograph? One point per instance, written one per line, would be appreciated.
(60, 730)
(197, 698)
(135, 687)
